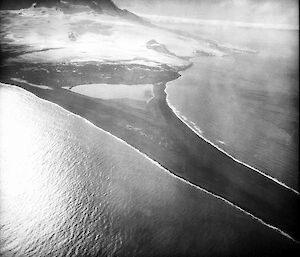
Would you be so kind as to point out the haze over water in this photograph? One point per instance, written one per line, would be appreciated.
(246, 103)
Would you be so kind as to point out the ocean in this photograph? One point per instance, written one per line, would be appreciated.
(246, 103)
(69, 188)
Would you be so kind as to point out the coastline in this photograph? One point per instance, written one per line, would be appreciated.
(262, 239)
(196, 130)
(249, 175)
(155, 129)
(253, 121)
(124, 164)
(160, 134)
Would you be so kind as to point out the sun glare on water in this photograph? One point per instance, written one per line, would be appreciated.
(29, 199)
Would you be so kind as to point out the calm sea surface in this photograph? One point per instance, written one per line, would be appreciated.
(70, 189)
(246, 103)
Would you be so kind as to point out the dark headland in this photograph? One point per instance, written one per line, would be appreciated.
(154, 129)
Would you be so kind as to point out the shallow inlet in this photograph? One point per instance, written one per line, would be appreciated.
(115, 91)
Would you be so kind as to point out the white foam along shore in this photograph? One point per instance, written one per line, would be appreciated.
(197, 131)
(160, 166)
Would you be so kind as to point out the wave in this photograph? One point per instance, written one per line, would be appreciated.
(159, 165)
(199, 133)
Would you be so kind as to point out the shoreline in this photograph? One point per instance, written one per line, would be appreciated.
(156, 130)
(184, 154)
(196, 195)
(284, 244)
(249, 174)
(164, 168)
(195, 130)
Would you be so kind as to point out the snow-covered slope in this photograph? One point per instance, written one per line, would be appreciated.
(58, 35)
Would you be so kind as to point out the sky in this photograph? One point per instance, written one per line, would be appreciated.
(255, 11)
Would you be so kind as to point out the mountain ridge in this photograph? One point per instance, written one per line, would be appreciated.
(100, 6)
(21, 4)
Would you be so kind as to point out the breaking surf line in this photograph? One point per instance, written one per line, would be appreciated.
(160, 165)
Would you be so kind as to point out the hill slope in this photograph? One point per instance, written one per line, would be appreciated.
(101, 6)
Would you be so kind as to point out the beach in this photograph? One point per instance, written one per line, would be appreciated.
(246, 104)
(154, 129)
(112, 200)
